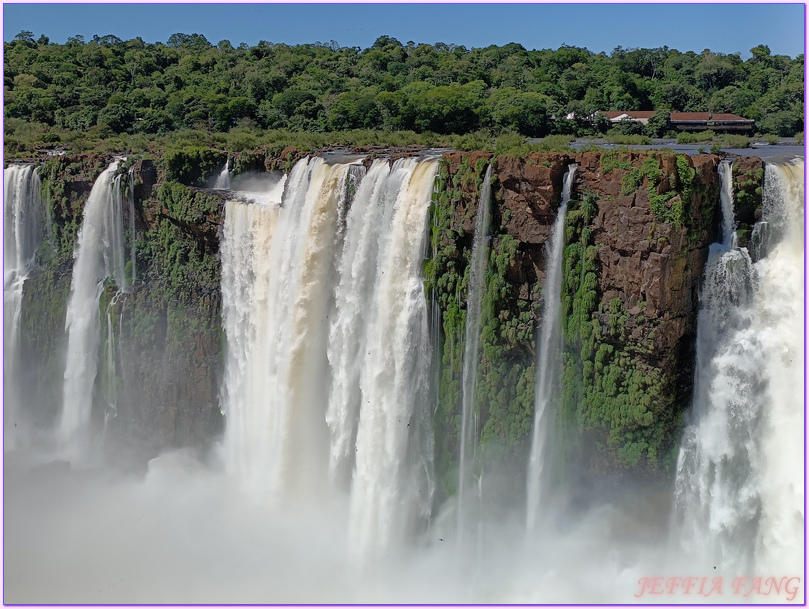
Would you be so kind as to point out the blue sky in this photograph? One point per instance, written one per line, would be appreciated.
(726, 28)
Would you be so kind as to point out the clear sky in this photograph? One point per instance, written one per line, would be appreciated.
(726, 28)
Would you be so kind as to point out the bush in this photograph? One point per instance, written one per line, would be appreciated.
(602, 123)
(563, 126)
(799, 138)
(153, 121)
(783, 122)
(630, 140)
(696, 137)
(116, 118)
(192, 165)
(771, 138)
(49, 138)
(658, 124)
(478, 140)
(512, 144)
(736, 141)
(240, 140)
(555, 143)
(630, 127)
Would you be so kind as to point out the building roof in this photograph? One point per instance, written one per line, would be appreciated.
(676, 116)
(633, 113)
(701, 117)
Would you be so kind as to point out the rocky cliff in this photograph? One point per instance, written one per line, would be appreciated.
(636, 236)
(166, 331)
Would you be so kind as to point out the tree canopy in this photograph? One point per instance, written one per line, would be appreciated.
(136, 87)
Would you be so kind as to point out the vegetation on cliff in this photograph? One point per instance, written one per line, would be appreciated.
(165, 332)
(511, 303)
(629, 343)
(636, 237)
(171, 327)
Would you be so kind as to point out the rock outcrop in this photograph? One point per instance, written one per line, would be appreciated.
(167, 328)
(640, 225)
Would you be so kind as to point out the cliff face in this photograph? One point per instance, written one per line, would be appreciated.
(525, 195)
(635, 250)
(170, 325)
(637, 232)
(166, 331)
(636, 237)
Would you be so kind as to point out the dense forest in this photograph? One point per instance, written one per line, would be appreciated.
(107, 88)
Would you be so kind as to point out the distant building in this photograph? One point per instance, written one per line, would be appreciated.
(635, 116)
(686, 121)
(572, 116)
(701, 121)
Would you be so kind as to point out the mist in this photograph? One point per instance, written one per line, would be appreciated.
(185, 532)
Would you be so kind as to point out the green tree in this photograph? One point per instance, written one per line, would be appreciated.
(658, 124)
(116, 117)
(25, 36)
(355, 110)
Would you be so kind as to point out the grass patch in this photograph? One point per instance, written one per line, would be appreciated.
(23, 139)
(555, 143)
(736, 141)
(629, 140)
(696, 138)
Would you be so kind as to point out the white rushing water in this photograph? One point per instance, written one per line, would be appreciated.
(327, 341)
(276, 264)
(394, 379)
(725, 171)
(739, 487)
(223, 179)
(132, 226)
(22, 237)
(112, 237)
(99, 255)
(110, 382)
(549, 347)
(246, 242)
(368, 227)
(474, 301)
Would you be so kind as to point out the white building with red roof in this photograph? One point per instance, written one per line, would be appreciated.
(686, 121)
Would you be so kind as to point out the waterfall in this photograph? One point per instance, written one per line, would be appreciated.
(114, 250)
(23, 218)
(276, 285)
(739, 484)
(110, 381)
(99, 255)
(477, 266)
(132, 234)
(368, 226)
(327, 340)
(549, 345)
(246, 241)
(22, 236)
(725, 171)
(394, 379)
(223, 179)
